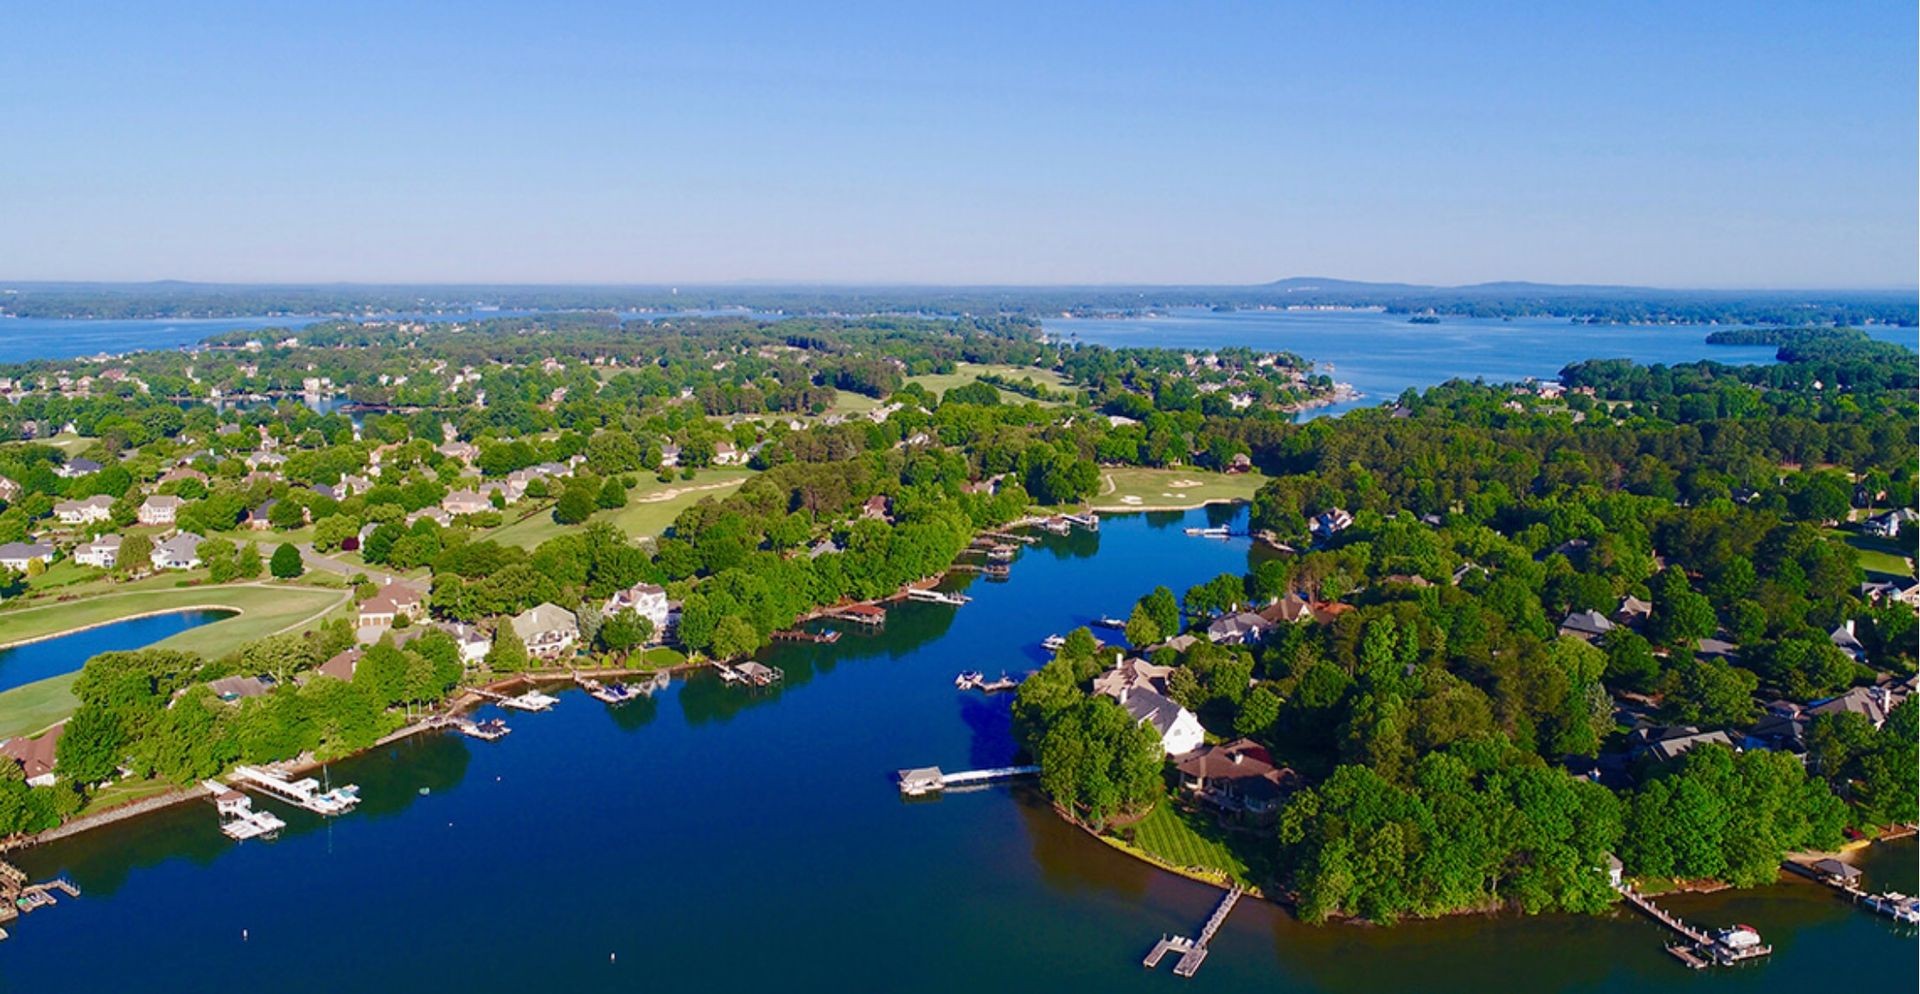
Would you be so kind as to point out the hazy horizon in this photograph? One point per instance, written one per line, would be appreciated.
(1000, 145)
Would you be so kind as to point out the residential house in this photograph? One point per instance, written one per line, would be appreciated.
(1587, 625)
(1130, 674)
(388, 604)
(1665, 743)
(83, 512)
(159, 509)
(474, 643)
(237, 688)
(179, 552)
(36, 755)
(1241, 628)
(727, 454)
(647, 600)
(1237, 777)
(9, 489)
(1898, 590)
(1240, 463)
(437, 515)
(1289, 610)
(76, 468)
(1179, 730)
(547, 630)
(1888, 525)
(260, 518)
(1327, 524)
(19, 555)
(462, 502)
(1871, 703)
(102, 552)
(341, 666)
(1632, 612)
(466, 452)
(179, 473)
(877, 507)
(1848, 641)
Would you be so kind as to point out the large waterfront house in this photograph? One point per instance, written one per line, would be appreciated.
(159, 509)
(1327, 524)
(1238, 778)
(179, 552)
(393, 601)
(19, 556)
(36, 756)
(473, 643)
(647, 600)
(83, 512)
(1140, 687)
(547, 630)
(102, 552)
(1241, 628)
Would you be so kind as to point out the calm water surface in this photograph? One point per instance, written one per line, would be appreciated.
(1382, 355)
(52, 657)
(717, 839)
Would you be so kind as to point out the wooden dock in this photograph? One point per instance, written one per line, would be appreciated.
(1701, 948)
(827, 637)
(1193, 952)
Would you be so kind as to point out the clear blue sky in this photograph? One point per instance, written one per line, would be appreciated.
(1669, 144)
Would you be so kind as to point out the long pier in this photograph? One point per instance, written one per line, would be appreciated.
(1701, 949)
(1193, 952)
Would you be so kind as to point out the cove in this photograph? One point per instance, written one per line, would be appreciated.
(719, 839)
(62, 654)
(1382, 355)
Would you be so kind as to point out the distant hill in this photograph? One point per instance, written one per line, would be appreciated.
(1593, 303)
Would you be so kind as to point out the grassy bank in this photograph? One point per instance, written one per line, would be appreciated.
(968, 372)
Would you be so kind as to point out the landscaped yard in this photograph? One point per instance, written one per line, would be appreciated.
(1138, 487)
(968, 372)
(265, 608)
(1877, 555)
(1188, 841)
(651, 507)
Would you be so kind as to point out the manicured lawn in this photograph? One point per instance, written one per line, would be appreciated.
(651, 507)
(1132, 486)
(968, 372)
(265, 608)
(1187, 840)
(1877, 555)
(28, 709)
(125, 792)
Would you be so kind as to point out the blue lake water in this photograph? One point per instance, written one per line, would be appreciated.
(1382, 355)
(718, 839)
(33, 661)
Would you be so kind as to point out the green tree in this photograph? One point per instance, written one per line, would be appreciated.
(286, 563)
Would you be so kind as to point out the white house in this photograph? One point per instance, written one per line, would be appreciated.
(1135, 683)
(1888, 525)
(179, 552)
(19, 555)
(473, 642)
(644, 599)
(102, 552)
(159, 509)
(81, 512)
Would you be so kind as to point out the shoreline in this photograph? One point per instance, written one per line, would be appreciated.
(50, 636)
